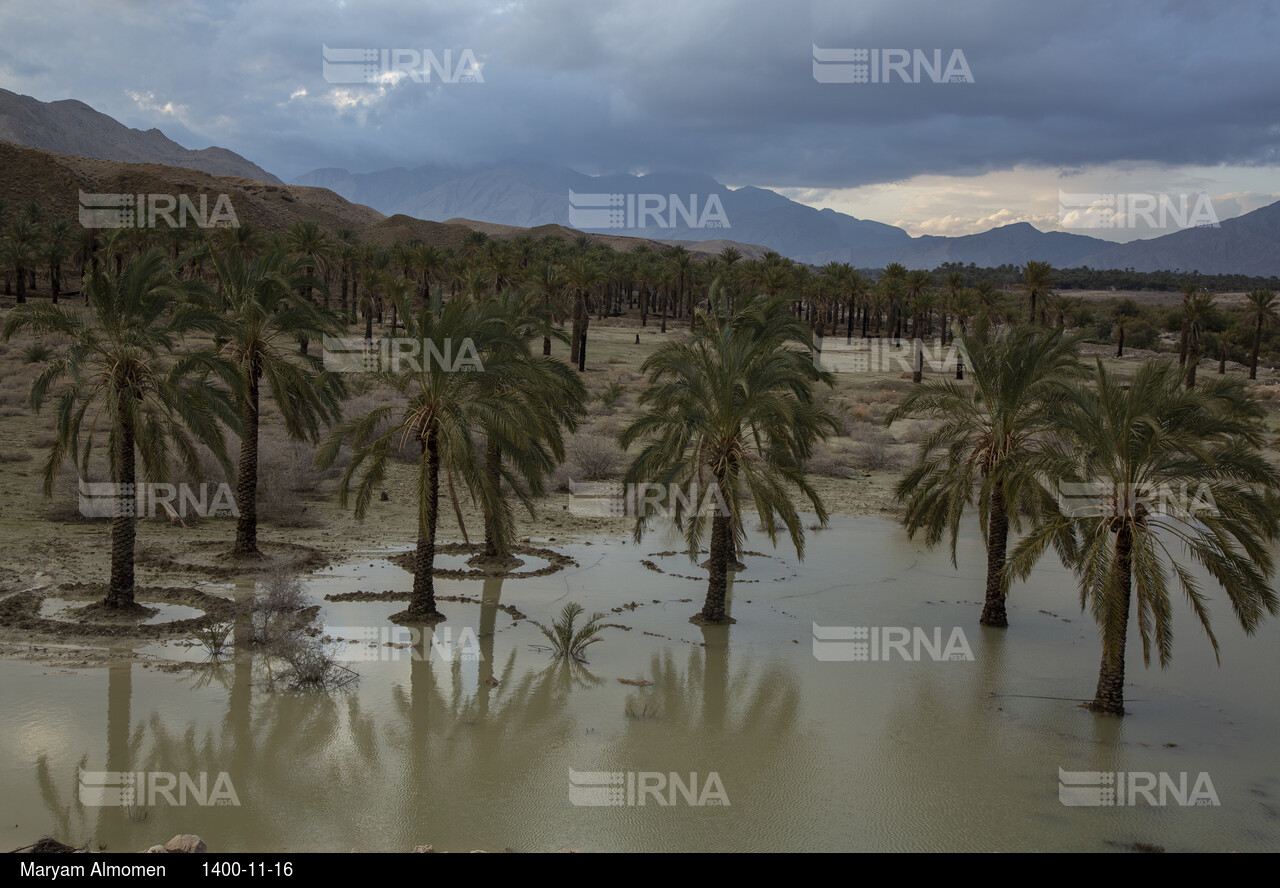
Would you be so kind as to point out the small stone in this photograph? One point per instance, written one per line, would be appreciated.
(186, 844)
(423, 849)
(157, 849)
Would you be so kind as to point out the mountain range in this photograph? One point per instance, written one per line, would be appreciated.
(530, 195)
(512, 196)
(72, 127)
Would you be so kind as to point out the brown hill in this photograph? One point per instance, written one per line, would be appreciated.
(56, 180)
(700, 249)
(72, 127)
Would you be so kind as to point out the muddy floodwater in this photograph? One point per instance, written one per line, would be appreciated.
(755, 736)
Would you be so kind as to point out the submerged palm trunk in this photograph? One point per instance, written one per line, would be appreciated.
(1109, 697)
(123, 527)
(721, 550)
(422, 606)
(493, 464)
(247, 482)
(993, 611)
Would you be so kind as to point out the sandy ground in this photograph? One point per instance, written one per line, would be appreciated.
(52, 551)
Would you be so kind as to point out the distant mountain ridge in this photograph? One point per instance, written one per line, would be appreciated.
(533, 196)
(72, 127)
(529, 195)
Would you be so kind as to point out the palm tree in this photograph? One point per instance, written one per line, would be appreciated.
(581, 275)
(1037, 282)
(548, 284)
(892, 280)
(18, 252)
(549, 399)
(262, 310)
(120, 362)
(952, 287)
(439, 407)
(1123, 311)
(731, 406)
(1020, 378)
(985, 293)
(54, 251)
(306, 239)
(1263, 310)
(916, 291)
(1188, 291)
(1199, 311)
(1162, 465)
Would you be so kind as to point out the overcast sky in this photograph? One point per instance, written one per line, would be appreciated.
(1176, 96)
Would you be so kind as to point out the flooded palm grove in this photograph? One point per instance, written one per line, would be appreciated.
(854, 704)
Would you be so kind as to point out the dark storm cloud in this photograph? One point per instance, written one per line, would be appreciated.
(725, 88)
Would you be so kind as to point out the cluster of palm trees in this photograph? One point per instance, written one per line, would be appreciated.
(168, 354)
(31, 244)
(183, 333)
(1125, 480)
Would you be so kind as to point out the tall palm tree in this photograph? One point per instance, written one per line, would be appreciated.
(892, 283)
(985, 295)
(18, 252)
(1199, 312)
(1123, 311)
(952, 287)
(548, 285)
(262, 310)
(581, 275)
(125, 362)
(1020, 377)
(54, 251)
(308, 240)
(1188, 292)
(550, 400)
(1264, 310)
(439, 406)
(1166, 467)
(917, 293)
(731, 406)
(1038, 279)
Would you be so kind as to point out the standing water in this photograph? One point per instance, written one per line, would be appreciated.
(776, 732)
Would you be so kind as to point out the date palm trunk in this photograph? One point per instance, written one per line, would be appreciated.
(247, 480)
(124, 528)
(1109, 697)
(993, 610)
(718, 570)
(422, 606)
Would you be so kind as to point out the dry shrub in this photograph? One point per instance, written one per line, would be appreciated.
(593, 456)
(877, 457)
(286, 475)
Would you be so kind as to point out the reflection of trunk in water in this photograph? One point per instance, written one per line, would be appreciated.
(492, 735)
